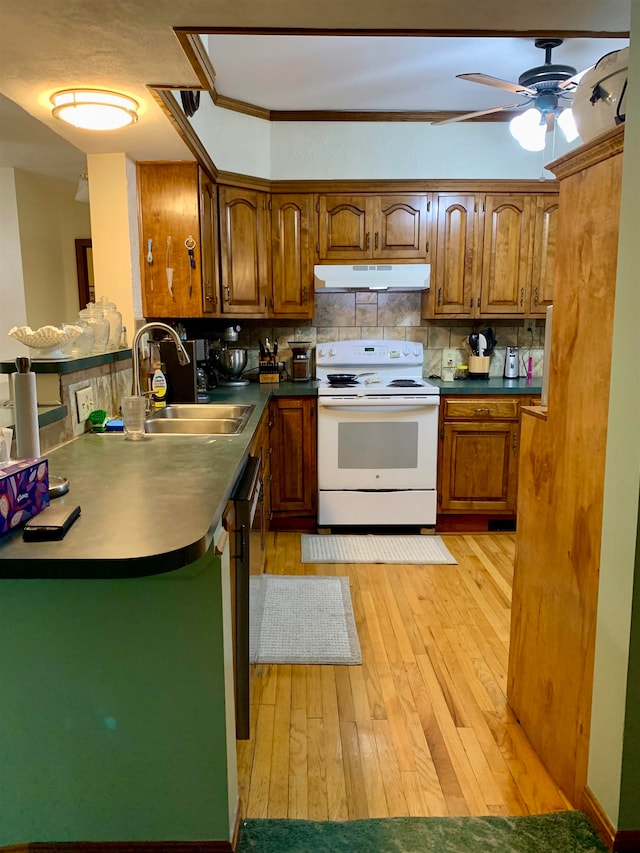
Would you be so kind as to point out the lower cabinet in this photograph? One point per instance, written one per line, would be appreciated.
(294, 481)
(478, 454)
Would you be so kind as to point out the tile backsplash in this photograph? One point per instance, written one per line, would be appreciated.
(397, 316)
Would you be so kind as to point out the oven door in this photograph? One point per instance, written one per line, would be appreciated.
(377, 442)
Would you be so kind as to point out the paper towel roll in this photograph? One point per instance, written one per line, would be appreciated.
(25, 402)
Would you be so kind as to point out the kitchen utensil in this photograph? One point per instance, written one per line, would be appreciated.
(231, 361)
(490, 339)
(479, 367)
(482, 345)
(169, 269)
(474, 343)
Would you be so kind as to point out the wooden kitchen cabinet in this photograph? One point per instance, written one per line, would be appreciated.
(244, 251)
(544, 255)
(365, 227)
(261, 447)
(292, 255)
(177, 203)
(478, 458)
(494, 255)
(293, 458)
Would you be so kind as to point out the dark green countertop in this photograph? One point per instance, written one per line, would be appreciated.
(148, 506)
(489, 386)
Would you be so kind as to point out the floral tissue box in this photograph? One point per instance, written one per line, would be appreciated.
(24, 492)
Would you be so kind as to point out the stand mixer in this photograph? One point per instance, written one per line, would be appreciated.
(229, 361)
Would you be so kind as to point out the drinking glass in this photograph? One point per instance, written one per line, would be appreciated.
(133, 415)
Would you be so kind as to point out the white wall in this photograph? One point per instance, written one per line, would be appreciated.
(352, 150)
(114, 228)
(235, 142)
(13, 311)
(50, 220)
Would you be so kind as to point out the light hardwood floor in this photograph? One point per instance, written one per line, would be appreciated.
(422, 727)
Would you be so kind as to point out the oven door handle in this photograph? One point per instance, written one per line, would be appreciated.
(379, 406)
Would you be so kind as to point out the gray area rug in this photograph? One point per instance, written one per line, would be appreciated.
(372, 548)
(302, 619)
(560, 832)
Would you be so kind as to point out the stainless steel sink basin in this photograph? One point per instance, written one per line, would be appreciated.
(199, 419)
(204, 411)
(191, 426)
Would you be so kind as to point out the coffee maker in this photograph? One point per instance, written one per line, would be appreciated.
(188, 383)
(300, 360)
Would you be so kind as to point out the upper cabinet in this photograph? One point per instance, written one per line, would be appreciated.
(178, 240)
(494, 255)
(244, 251)
(373, 227)
(292, 255)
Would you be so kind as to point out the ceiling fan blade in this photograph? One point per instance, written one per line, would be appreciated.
(477, 77)
(466, 116)
(573, 81)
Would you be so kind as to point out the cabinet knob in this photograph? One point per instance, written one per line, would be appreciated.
(376, 240)
(483, 411)
(439, 296)
(367, 242)
(227, 294)
(521, 296)
(535, 296)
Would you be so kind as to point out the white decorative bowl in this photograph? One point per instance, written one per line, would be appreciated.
(47, 342)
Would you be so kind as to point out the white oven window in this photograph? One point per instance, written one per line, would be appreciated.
(378, 444)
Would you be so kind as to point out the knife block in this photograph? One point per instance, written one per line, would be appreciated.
(479, 366)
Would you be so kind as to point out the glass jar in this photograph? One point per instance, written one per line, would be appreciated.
(93, 315)
(82, 345)
(114, 318)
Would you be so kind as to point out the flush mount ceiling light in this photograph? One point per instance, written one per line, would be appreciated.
(94, 109)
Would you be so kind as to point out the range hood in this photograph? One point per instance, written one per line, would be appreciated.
(371, 277)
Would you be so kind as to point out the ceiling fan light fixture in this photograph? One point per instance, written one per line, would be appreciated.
(567, 124)
(94, 109)
(529, 129)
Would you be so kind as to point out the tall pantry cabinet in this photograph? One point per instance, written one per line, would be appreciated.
(561, 476)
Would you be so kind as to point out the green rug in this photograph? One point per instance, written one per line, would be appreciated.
(560, 832)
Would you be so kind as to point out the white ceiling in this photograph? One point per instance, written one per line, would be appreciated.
(379, 73)
(128, 44)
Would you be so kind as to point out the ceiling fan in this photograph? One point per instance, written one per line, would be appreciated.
(548, 90)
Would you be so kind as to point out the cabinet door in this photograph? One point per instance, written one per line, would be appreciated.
(544, 254)
(345, 223)
(455, 274)
(479, 467)
(244, 258)
(291, 255)
(293, 455)
(507, 247)
(168, 215)
(400, 227)
(209, 246)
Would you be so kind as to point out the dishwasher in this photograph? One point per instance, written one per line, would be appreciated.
(250, 532)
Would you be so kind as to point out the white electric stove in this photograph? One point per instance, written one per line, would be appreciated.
(377, 435)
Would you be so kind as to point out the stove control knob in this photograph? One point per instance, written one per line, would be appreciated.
(321, 352)
(332, 351)
(416, 351)
(405, 352)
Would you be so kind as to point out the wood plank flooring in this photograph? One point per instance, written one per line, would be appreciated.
(422, 727)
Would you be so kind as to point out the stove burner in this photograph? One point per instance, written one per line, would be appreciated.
(405, 383)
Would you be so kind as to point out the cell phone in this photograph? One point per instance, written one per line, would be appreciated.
(52, 523)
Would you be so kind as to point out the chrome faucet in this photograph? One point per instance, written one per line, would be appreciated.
(183, 355)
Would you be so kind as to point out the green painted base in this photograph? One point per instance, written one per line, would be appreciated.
(561, 832)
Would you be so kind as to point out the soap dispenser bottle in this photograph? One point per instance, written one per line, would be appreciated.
(159, 386)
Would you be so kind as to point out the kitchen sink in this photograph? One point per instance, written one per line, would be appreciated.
(199, 419)
(204, 412)
(191, 426)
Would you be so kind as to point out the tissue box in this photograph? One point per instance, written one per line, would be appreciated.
(24, 492)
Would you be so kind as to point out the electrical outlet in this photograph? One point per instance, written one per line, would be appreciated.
(84, 403)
